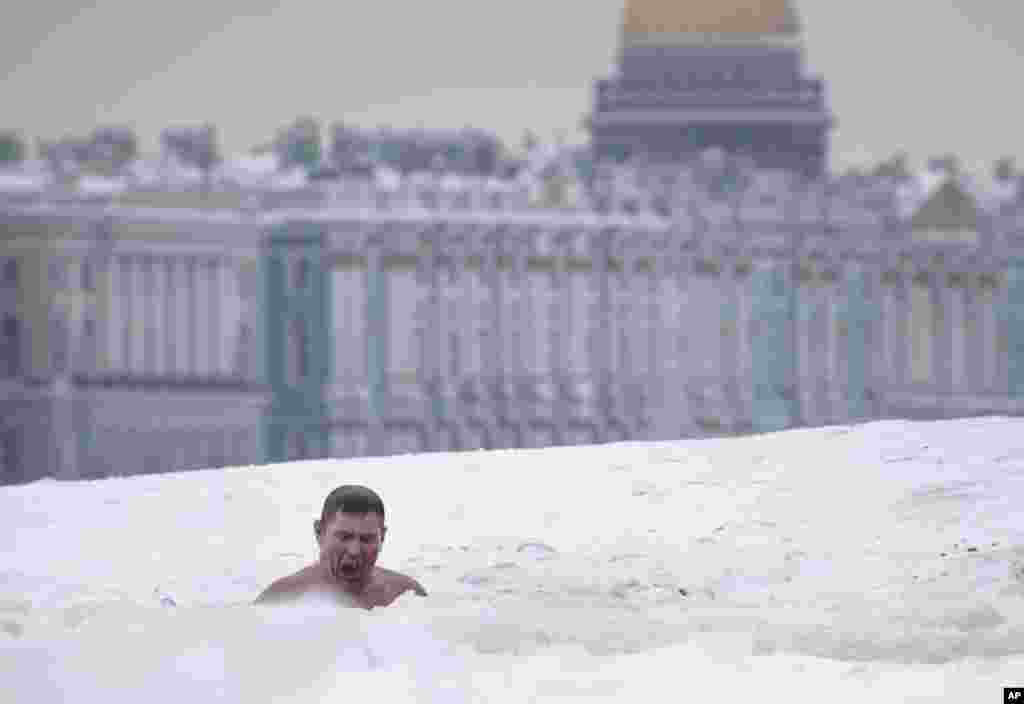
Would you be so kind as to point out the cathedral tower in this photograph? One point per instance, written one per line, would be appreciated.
(694, 74)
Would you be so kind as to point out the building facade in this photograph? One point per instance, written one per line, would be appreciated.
(130, 341)
(153, 332)
(420, 308)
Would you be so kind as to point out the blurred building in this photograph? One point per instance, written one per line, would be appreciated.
(128, 324)
(149, 329)
(722, 74)
(460, 150)
(696, 272)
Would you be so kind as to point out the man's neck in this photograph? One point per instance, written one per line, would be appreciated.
(357, 588)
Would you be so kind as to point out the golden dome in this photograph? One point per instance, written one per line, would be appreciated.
(718, 17)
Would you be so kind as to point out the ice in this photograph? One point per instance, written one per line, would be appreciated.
(894, 571)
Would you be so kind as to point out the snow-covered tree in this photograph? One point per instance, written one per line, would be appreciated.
(300, 144)
(945, 163)
(115, 145)
(1004, 169)
(194, 146)
(12, 148)
(529, 142)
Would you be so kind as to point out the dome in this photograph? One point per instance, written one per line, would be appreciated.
(735, 18)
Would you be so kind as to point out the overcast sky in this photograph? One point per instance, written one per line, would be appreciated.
(925, 76)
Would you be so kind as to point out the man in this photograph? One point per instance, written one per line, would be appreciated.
(350, 533)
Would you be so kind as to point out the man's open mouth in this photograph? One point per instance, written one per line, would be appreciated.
(349, 569)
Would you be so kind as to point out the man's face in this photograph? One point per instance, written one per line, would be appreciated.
(349, 546)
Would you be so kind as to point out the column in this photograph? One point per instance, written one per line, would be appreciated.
(744, 359)
(920, 333)
(958, 347)
(972, 335)
(943, 331)
(152, 288)
(168, 272)
(138, 333)
(498, 357)
(186, 313)
(448, 334)
(831, 367)
(808, 351)
(349, 329)
(859, 352)
(129, 301)
(542, 287)
(1001, 381)
(159, 313)
(214, 329)
(229, 318)
(182, 320)
(669, 410)
(705, 329)
(405, 293)
(514, 316)
(988, 339)
(888, 330)
(902, 333)
(376, 342)
(474, 318)
(201, 316)
(114, 349)
(732, 325)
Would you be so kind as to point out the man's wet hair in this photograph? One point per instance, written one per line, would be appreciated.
(351, 498)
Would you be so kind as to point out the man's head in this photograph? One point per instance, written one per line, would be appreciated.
(350, 533)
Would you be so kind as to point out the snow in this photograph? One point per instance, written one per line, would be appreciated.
(854, 202)
(387, 179)
(144, 172)
(881, 561)
(31, 176)
(90, 184)
(992, 193)
(249, 170)
(291, 179)
(175, 173)
(452, 183)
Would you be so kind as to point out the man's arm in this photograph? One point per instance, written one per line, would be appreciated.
(415, 586)
(279, 590)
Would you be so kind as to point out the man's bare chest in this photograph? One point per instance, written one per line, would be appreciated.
(381, 592)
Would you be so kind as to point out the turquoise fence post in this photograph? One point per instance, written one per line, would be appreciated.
(274, 324)
(297, 405)
(772, 308)
(376, 338)
(325, 300)
(1014, 322)
(858, 316)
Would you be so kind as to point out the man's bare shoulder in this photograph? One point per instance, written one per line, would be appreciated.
(401, 582)
(290, 586)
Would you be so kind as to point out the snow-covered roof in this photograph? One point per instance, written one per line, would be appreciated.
(421, 178)
(291, 179)
(387, 178)
(174, 173)
(492, 183)
(143, 172)
(90, 184)
(992, 193)
(914, 192)
(452, 182)
(249, 169)
(861, 197)
(21, 181)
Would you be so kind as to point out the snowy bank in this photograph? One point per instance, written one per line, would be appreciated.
(883, 560)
